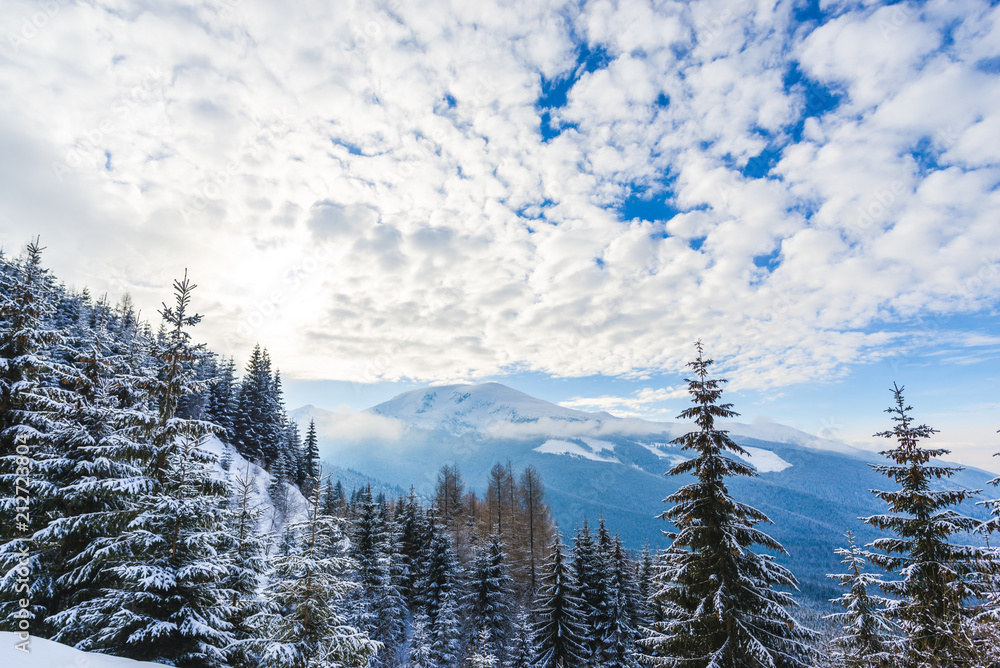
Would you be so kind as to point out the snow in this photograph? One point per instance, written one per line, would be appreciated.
(500, 411)
(673, 458)
(297, 505)
(47, 654)
(463, 408)
(765, 430)
(764, 460)
(557, 447)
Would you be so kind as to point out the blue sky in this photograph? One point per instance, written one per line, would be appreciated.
(560, 196)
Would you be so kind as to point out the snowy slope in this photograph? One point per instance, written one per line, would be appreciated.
(490, 407)
(47, 654)
(270, 521)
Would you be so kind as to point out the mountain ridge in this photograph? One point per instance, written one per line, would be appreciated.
(596, 464)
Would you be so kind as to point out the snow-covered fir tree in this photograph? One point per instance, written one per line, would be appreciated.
(560, 638)
(309, 462)
(306, 627)
(167, 600)
(521, 649)
(221, 406)
(420, 645)
(722, 601)
(593, 578)
(865, 641)
(413, 539)
(380, 609)
(248, 566)
(489, 602)
(625, 611)
(438, 597)
(940, 583)
(259, 423)
(482, 655)
(95, 471)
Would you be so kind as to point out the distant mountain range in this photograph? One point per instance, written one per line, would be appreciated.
(598, 465)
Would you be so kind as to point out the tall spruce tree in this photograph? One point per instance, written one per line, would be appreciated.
(379, 606)
(309, 464)
(720, 598)
(489, 602)
(248, 567)
(167, 600)
(626, 615)
(866, 633)
(306, 628)
(560, 634)
(988, 621)
(940, 583)
(439, 596)
(95, 473)
(593, 580)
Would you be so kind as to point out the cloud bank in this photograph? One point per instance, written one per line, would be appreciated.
(426, 191)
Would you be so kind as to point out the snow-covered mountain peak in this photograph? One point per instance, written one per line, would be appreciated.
(463, 408)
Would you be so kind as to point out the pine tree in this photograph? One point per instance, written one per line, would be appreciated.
(420, 646)
(167, 601)
(306, 630)
(521, 652)
(248, 566)
(380, 606)
(489, 602)
(647, 614)
(625, 612)
(718, 595)
(483, 656)
(438, 597)
(221, 408)
(94, 473)
(988, 621)
(559, 634)
(27, 304)
(866, 631)
(310, 459)
(939, 582)
(260, 421)
(593, 579)
(413, 541)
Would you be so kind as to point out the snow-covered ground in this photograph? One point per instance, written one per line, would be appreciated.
(764, 460)
(558, 447)
(240, 467)
(47, 654)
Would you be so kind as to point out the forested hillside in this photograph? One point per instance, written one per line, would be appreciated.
(134, 524)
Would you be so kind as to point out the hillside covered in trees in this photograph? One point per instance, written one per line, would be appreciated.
(125, 533)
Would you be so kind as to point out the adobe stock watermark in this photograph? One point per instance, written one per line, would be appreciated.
(383, 361)
(366, 31)
(878, 205)
(212, 187)
(269, 307)
(894, 18)
(22, 520)
(31, 25)
(121, 109)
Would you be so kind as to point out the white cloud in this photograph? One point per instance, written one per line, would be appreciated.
(646, 403)
(359, 187)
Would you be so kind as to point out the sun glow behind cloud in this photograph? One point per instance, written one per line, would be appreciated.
(433, 192)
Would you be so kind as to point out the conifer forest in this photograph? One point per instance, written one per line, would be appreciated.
(160, 505)
(500, 334)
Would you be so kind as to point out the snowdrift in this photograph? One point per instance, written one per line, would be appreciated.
(47, 654)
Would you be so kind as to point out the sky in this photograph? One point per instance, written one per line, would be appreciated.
(558, 196)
